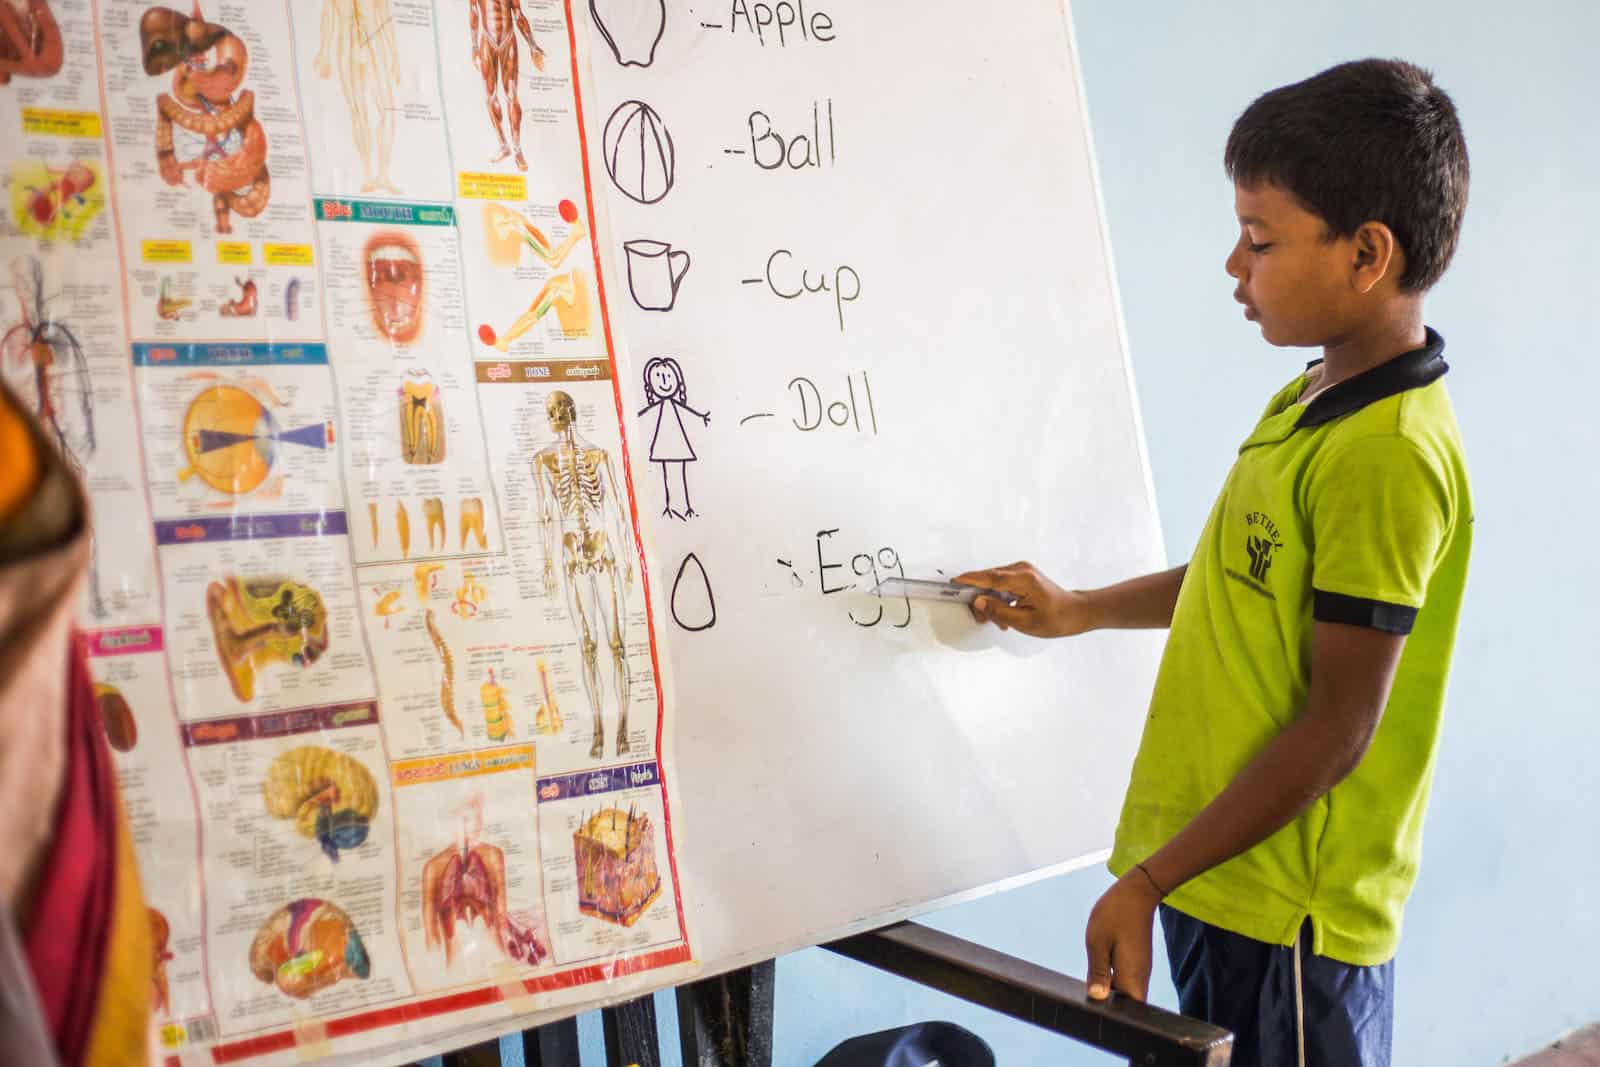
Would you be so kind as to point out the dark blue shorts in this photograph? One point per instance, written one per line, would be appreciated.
(1285, 1006)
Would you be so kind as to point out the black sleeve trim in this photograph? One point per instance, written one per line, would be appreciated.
(1359, 611)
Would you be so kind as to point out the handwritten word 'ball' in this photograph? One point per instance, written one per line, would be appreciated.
(639, 153)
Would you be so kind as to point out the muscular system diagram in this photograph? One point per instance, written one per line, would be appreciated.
(259, 622)
(30, 40)
(466, 883)
(206, 126)
(615, 853)
(581, 522)
(358, 35)
(567, 293)
(330, 796)
(494, 25)
(308, 945)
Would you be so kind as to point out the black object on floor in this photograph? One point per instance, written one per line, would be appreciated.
(918, 1045)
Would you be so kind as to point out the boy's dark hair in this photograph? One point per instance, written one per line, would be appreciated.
(1372, 140)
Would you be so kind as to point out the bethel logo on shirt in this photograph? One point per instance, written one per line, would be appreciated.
(1260, 543)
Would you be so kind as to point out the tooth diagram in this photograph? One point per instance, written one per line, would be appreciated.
(433, 515)
(402, 522)
(472, 522)
(421, 419)
(392, 269)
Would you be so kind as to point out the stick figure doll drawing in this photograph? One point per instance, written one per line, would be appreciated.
(669, 441)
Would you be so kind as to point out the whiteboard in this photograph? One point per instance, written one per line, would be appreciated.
(898, 308)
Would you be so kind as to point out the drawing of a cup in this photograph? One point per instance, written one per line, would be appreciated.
(655, 270)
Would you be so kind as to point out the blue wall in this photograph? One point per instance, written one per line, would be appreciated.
(1502, 932)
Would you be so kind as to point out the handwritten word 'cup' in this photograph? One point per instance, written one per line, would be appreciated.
(655, 270)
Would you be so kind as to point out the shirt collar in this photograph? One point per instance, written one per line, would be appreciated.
(1412, 370)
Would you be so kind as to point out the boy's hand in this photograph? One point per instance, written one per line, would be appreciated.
(1043, 608)
(1118, 938)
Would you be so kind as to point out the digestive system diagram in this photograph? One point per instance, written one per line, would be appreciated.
(465, 883)
(567, 293)
(582, 525)
(358, 37)
(306, 946)
(30, 40)
(232, 441)
(206, 127)
(258, 623)
(330, 796)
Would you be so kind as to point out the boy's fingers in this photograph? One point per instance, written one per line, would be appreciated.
(988, 609)
(1126, 980)
(1099, 969)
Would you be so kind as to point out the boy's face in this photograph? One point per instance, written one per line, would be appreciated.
(1292, 281)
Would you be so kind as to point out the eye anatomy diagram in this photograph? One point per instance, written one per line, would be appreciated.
(261, 622)
(581, 520)
(53, 203)
(615, 853)
(655, 270)
(421, 419)
(43, 361)
(632, 28)
(30, 40)
(566, 293)
(231, 439)
(495, 25)
(306, 946)
(392, 271)
(638, 152)
(466, 883)
(358, 35)
(331, 797)
(669, 440)
(206, 127)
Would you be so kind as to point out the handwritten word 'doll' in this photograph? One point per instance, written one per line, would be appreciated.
(769, 150)
(782, 19)
(780, 279)
(838, 412)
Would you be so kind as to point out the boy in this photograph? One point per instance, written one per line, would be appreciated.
(1274, 813)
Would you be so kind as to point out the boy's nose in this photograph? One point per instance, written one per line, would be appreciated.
(1234, 263)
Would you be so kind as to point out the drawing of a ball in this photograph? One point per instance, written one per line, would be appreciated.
(639, 154)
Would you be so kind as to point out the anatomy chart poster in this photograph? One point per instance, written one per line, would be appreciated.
(309, 294)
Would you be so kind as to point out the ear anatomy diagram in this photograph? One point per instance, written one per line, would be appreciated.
(331, 797)
(55, 202)
(466, 882)
(160, 934)
(694, 605)
(655, 270)
(472, 522)
(447, 683)
(259, 622)
(566, 293)
(117, 718)
(308, 945)
(494, 53)
(223, 146)
(615, 854)
(391, 267)
(44, 363)
(30, 40)
(669, 440)
(581, 519)
(231, 439)
(547, 720)
(632, 28)
(358, 35)
(242, 306)
(639, 153)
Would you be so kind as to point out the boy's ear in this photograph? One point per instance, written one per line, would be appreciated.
(1377, 255)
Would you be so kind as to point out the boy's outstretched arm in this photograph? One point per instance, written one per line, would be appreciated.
(1044, 609)
(1352, 668)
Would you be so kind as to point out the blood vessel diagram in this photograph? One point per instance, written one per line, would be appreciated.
(260, 622)
(392, 269)
(308, 945)
(494, 53)
(206, 126)
(231, 439)
(30, 40)
(329, 795)
(466, 883)
(358, 35)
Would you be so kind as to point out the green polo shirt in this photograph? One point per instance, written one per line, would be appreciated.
(1354, 509)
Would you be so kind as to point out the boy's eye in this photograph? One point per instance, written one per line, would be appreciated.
(1259, 248)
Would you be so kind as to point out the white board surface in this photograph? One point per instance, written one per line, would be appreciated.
(839, 760)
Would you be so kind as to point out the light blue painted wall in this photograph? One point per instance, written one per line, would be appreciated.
(1503, 931)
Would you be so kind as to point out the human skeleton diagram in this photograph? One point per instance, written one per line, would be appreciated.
(581, 516)
(202, 127)
(358, 35)
(495, 25)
